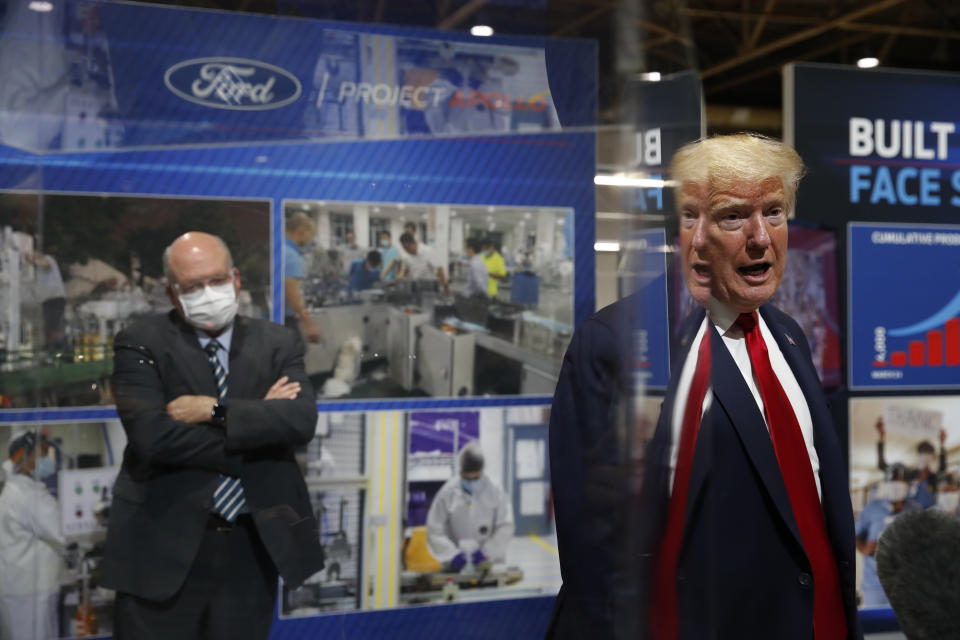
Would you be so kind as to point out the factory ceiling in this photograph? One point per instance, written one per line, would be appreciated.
(738, 46)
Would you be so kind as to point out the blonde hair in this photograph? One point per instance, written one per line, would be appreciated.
(723, 161)
(299, 220)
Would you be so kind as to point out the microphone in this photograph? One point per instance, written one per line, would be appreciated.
(918, 563)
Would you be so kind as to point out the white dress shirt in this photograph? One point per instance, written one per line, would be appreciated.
(724, 319)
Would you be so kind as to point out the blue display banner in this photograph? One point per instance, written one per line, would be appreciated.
(89, 75)
(904, 306)
(880, 145)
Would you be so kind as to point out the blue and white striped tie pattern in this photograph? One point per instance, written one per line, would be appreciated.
(228, 498)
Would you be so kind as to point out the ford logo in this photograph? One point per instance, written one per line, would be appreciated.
(232, 83)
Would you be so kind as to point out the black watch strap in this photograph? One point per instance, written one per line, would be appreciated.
(219, 414)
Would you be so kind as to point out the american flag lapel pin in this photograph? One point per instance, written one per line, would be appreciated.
(790, 340)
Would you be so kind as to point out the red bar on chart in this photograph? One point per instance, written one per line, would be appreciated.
(898, 359)
(935, 348)
(952, 327)
(917, 347)
(879, 363)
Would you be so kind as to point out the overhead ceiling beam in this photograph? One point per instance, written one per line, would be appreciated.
(461, 14)
(892, 38)
(582, 20)
(799, 36)
(748, 15)
(655, 28)
(919, 32)
(759, 27)
(774, 68)
(669, 55)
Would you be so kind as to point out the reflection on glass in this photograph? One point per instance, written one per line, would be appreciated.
(75, 270)
(56, 486)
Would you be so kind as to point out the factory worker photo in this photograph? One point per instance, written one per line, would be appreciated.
(31, 544)
(470, 521)
(892, 499)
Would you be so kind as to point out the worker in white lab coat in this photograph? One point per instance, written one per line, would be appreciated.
(470, 519)
(31, 545)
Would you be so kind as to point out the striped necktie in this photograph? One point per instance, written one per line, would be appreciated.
(228, 498)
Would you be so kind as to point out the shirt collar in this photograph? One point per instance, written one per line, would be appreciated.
(723, 317)
(293, 245)
(224, 338)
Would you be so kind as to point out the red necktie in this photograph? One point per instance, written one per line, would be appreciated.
(663, 609)
(829, 618)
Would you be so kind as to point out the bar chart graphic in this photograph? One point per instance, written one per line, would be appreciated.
(940, 347)
(904, 306)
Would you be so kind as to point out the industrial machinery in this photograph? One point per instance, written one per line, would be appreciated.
(337, 324)
(445, 359)
(402, 338)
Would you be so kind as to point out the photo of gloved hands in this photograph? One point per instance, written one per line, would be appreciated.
(477, 559)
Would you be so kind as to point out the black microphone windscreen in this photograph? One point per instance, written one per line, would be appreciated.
(918, 563)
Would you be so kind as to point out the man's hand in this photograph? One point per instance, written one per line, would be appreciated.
(283, 389)
(943, 437)
(310, 330)
(194, 409)
(880, 429)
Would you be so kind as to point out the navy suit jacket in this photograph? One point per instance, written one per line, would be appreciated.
(742, 570)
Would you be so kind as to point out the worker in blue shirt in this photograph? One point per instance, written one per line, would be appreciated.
(365, 272)
(891, 500)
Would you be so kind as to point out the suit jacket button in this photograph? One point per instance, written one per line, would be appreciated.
(805, 579)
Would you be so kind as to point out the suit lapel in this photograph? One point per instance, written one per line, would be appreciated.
(656, 484)
(243, 359)
(731, 393)
(193, 361)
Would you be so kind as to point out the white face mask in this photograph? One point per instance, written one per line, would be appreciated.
(948, 501)
(894, 491)
(924, 460)
(211, 308)
(44, 468)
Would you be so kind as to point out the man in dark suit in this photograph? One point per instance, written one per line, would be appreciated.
(743, 527)
(209, 504)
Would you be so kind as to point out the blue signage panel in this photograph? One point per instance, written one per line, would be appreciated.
(652, 334)
(90, 75)
(904, 306)
(879, 145)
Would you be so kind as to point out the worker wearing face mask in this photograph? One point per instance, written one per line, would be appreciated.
(891, 500)
(948, 494)
(31, 544)
(923, 487)
(470, 519)
(389, 258)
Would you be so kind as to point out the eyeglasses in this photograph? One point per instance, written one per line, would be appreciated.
(196, 285)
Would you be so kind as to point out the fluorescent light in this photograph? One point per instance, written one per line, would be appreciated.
(606, 247)
(481, 31)
(868, 63)
(40, 5)
(620, 180)
(651, 76)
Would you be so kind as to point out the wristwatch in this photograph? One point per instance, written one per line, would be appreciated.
(218, 415)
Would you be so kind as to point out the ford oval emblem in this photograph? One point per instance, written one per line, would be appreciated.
(232, 83)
